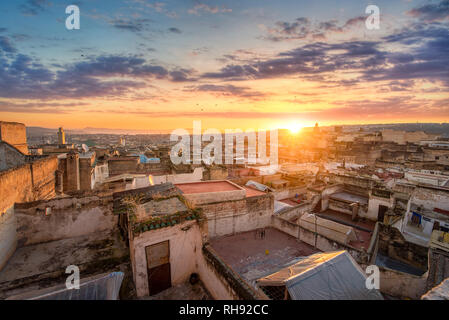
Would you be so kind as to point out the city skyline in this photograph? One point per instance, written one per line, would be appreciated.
(149, 65)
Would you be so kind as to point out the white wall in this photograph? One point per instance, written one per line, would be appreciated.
(184, 246)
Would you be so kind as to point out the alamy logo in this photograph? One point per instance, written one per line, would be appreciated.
(212, 153)
(373, 279)
(73, 280)
(372, 22)
(73, 21)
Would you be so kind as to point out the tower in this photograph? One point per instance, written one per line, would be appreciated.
(73, 171)
(61, 136)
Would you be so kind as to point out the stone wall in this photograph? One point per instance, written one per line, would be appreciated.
(29, 182)
(15, 134)
(393, 244)
(122, 165)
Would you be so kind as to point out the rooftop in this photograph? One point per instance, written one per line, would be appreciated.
(253, 257)
(362, 227)
(207, 186)
(40, 265)
(349, 197)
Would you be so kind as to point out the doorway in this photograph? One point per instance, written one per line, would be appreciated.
(381, 213)
(158, 267)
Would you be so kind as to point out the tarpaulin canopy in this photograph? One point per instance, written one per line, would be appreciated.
(323, 276)
(101, 287)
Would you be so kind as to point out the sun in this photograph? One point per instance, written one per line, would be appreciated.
(294, 127)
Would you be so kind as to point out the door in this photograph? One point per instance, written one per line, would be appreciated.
(158, 267)
(381, 213)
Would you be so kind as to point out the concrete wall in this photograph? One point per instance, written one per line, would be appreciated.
(322, 243)
(195, 176)
(327, 192)
(233, 216)
(374, 203)
(67, 218)
(185, 242)
(187, 256)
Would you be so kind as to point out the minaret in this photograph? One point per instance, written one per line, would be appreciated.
(61, 136)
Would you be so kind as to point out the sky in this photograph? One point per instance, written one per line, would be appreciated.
(248, 64)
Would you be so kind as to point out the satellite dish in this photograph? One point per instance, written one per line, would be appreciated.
(85, 148)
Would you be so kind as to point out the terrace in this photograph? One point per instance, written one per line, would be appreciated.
(252, 256)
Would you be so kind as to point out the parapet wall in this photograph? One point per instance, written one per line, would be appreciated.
(32, 181)
(234, 216)
(29, 182)
(56, 219)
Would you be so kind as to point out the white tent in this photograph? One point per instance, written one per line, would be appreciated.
(322, 276)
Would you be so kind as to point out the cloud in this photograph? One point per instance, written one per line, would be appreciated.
(99, 76)
(202, 7)
(358, 110)
(424, 55)
(40, 107)
(432, 11)
(134, 25)
(310, 59)
(228, 90)
(303, 28)
(34, 7)
(174, 30)
(6, 45)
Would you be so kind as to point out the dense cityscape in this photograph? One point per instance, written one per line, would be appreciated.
(224, 155)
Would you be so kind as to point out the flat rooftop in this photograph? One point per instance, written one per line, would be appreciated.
(207, 186)
(251, 192)
(362, 227)
(43, 265)
(246, 253)
(350, 197)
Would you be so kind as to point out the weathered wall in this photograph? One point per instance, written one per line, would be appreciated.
(195, 176)
(374, 203)
(86, 173)
(15, 134)
(8, 236)
(122, 165)
(185, 242)
(402, 285)
(221, 281)
(289, 192)
(327, 192)
(68, 218)
(322, 243)
(431, 198)
(10, 157)
(393, 244)
(26, 183)
(233, 216)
